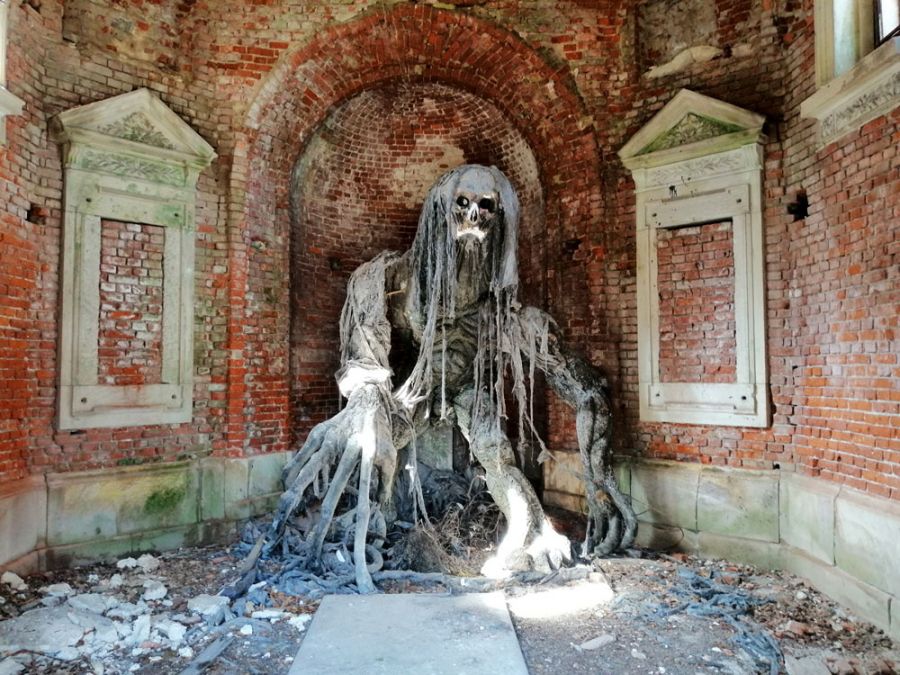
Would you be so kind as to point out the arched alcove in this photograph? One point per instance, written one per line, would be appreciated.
(464, 62)
(357, 189)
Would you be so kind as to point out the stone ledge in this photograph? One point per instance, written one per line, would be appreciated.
(85, 516)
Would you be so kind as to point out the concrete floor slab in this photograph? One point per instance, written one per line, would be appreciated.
(406, 633)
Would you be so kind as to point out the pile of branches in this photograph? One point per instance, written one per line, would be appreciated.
(464, 526)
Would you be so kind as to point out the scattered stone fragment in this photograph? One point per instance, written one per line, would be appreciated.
(246, 629)
(98, 630)
(597, 642)
(187, 620)
(638, 655)
(210, 607)
(115, 581)
(299, 621)
(186, 653)
(92, 602)
(127, 564)
(10, 667)
(268, 614)
(140, 630)
(58, 590)
(68, 654)
(172, 630)
(806, 665)
(14, 581)
(154, 590)
(796, 628)
(127, 610)
(49, 630)
(147, 563)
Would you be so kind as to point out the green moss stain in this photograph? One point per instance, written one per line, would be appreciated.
(164, 500)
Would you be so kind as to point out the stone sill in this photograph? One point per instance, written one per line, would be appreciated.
(10, 104)
(869, 89)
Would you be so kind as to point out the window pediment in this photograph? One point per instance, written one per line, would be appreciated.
(690, 125)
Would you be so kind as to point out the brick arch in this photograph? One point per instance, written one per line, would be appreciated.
(407, 43)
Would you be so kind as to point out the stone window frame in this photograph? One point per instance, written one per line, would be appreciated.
(856, 81)
(700, 160)
(130, 159)
(10, 104)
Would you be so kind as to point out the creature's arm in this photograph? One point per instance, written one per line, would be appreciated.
(365, 329)
(361, 433)
(612, 522)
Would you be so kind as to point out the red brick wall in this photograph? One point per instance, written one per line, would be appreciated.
(131, 303)
(54, 70)
(262, 82)
(695, 279)
(831, 311)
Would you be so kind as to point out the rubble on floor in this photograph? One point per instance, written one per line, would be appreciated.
(642, 613)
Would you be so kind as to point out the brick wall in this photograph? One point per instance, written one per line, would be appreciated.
(695, 279)
(832, 348)
(129, 348)
(268, 85)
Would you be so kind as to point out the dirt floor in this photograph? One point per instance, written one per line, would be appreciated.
(644, 613)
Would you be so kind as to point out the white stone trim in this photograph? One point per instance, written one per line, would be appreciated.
(715, 179)
(870, 89)
(130, 159)
(10, 104)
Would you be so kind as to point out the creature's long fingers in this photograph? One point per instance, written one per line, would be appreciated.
(346, 466)
(369, 445)
(613, 535)
(623, 504)
(304, 454)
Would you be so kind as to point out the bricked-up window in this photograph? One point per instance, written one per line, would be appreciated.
(130, 332)
(695, 277)
(697, 168)
(126, 329)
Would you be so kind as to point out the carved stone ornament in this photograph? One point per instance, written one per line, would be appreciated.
(869, 89)
(139, 128)
(136, 124)
(691, 129)
(690, 126)
(126, 165)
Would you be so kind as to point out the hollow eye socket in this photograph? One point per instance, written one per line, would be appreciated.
(462, 201)
(487, 204)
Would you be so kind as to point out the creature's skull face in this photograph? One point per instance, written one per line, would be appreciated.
(475, 204)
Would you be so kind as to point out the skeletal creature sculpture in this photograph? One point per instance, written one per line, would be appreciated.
(437, 332)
